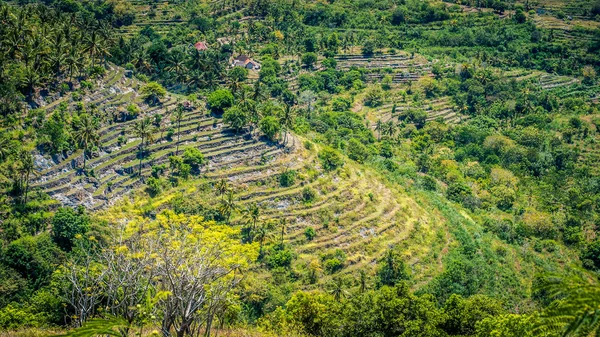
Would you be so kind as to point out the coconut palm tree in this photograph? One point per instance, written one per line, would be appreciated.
(26, 170)
(389, 128)
(144, 130)
(86, 134)
(283, 224)
(362, 281)
(337, 289)
(262, 233)
(178, 114)
(251, 215)
(287, 121)
(221, 187)
(228, 206)
(378, 127)
(32, 79)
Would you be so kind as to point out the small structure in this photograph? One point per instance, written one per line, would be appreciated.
(187, 105)
(246, 62)
(224, 40)
(201, 46)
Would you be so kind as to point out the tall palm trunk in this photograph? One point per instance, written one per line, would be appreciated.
(178, 136)
(84, 157)
(141, 156)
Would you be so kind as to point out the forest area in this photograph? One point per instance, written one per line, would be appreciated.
(299, 168)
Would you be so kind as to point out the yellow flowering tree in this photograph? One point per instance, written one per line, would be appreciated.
(177, 270)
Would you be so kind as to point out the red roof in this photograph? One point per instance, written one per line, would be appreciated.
(201, 45)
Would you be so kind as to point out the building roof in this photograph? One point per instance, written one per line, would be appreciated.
(201, 45)
(243, 61)
(242, 58)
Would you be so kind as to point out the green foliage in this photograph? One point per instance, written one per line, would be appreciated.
(330, 159)
(357, 151)
(308, 194)
(391, 270)
(591, 255)
(374, 97)
(287, 178)
(236, 118)
(506, 326)
(270, 126)
(310, 233)
(573, 312)
(67, 224)
(193, 157)
(309, 59)
(464, 314)
(154, 186)
(153, 92)
(219, 100)
(238, 74)
(33, 257)
(112, 326)
(279, 258)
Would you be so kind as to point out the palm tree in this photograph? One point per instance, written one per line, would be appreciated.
(337, 289)
(221, 187)
(389, 128)
(86, 134)
(178, 117)
(228, 205)
(362, 281)
(144, 130)
(287, 121)
(74, 60)
(26, 169)
(177, 65)
(263, 232)
(378, 127)
(252, 214)
(283, 226)
(32, 79)
(92, 45)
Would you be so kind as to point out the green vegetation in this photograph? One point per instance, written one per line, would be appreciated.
(306, 168)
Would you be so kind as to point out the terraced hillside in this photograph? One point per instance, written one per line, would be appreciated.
(438, 108)
(403, 67)
(115, 163)
(352, 211)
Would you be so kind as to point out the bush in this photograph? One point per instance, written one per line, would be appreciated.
(333, 265)
(153, 92)
(66, 224)
(520, 16)
(391, 270)
(236, 118)
(374, 97)
(34, 257)
(341, 104)
(270, 126)
(154, 186)
(592, 254)
(287, 178)
(310, 233)
(219, 100)
(309, 59)
(279, 258)
(357, 151)
(330, 159)
(308, 194)
(193, 157)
